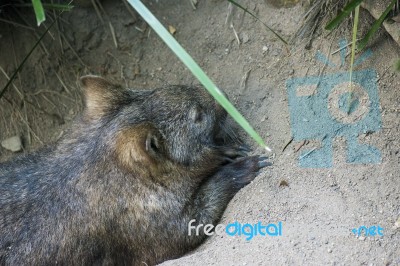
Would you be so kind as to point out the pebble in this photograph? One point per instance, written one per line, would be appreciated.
(245, 37)
(13, 144)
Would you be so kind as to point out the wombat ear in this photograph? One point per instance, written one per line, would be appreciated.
(154, 145)
(101, 96)
(141, 143)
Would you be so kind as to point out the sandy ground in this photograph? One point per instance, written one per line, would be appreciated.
(322, 184)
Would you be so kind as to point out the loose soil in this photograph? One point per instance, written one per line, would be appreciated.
(318, 207)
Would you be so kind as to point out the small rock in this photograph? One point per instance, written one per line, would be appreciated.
(283, 183)
(13, 144)
(171, 29)
(265, 49)
(245, 37)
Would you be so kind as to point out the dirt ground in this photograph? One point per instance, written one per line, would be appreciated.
(320, 200)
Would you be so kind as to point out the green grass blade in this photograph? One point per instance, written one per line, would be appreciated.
(39, 11)
(364, 41)
(254, 16)
(195, 69)
(342, 15)
(26, 58)
(353, 53)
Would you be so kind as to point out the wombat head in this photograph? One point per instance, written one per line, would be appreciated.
(178, 123)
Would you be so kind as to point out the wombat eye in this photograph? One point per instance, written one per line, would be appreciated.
(152, 144)
(196, 114)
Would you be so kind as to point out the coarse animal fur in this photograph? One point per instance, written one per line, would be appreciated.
(123, 183)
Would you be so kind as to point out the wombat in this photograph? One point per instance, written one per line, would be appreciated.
(123, 183)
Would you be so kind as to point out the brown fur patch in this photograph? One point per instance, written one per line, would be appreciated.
(131, 145)
(100, 95)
